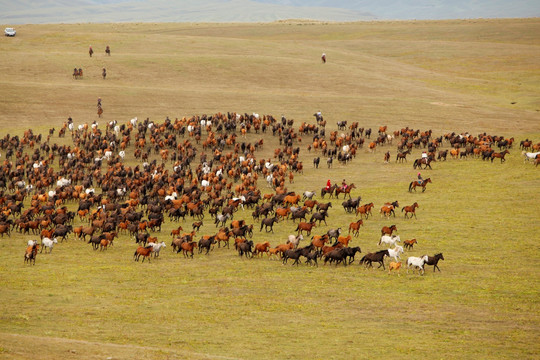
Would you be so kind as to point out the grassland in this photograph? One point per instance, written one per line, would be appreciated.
(451, 76)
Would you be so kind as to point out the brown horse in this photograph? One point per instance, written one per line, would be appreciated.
(108, 50)
(307, 227)
(410, 209)
(408, 244)
(90, 51)
(388, 230)
(346, 191)
(365, 210)
(31, 253)
(499, 155)
(144, 252)
(187, 248)
(402, 156)
(355, 227)
(415, 183)
(99, 111)
(104, 73)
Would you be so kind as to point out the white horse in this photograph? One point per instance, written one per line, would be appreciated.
(395, 252)
(122, 154)
(32, 242)
(269, 180)
(205, 183)
(63, 182)
(309, 194)
(173, 196)
(133, 121)
(389, 239)
(295, 240)
(46, 242)
(530, 156)
(417, 262)
(157, 247)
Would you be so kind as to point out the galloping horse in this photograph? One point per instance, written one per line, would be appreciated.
(108, 50)
(99, 111)
(410, 209)
(104, 73)
(375, 257)
(346, 191)
(499, 155)
(415, 183)
(433, 260)
(90, 51)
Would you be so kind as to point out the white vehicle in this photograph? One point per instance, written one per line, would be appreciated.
(9, 31)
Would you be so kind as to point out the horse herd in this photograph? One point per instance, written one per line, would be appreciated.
(171, 177)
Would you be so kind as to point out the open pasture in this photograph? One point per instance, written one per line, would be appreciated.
(451, 76)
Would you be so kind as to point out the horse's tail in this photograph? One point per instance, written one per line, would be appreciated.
(363, 259)
(410, 189)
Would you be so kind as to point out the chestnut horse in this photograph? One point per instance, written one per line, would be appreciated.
(410, 209)
(415, 183)
(408, 244)
(388, 230)
(355, 227)
(346, 191)
(499, 155)
(365, 210)
(144, 252)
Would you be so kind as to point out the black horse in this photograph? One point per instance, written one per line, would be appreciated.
(378, 256)
(433, 260)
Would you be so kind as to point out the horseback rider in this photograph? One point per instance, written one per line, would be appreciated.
(323, 58)
(343, 185)
(98, 102)
(328, 185)
(420, 179)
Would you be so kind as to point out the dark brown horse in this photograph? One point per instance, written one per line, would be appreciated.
(402, 156)
(330, 190)
(416, 183)
(99, 111)
(90, 51)
(433, 260)
(104, 73)
(108, 50)
(378, 256)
